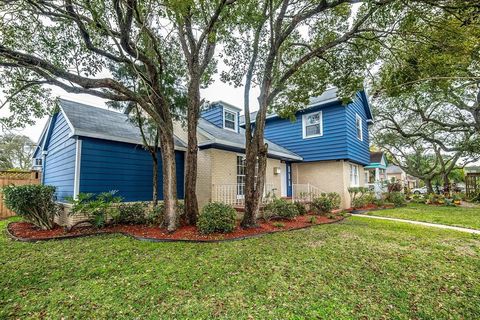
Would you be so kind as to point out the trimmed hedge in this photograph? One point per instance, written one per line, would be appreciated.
(280, 208)
(217, 217)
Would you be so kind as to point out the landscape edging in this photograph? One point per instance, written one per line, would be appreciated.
(147, 239)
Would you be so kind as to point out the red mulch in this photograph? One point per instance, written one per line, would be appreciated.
(27, 231)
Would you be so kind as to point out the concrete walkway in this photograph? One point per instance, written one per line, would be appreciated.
(427, 224)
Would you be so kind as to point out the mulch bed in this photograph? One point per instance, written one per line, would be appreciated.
(24, 231)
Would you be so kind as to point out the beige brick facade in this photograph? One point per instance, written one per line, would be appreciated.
(219, 167)
(328, 176)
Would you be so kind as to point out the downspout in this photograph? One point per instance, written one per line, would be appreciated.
(78, 159)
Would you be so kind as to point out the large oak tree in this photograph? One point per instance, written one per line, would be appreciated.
(72, 45)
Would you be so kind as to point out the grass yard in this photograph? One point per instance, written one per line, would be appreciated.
(367, 269)
(452, 216)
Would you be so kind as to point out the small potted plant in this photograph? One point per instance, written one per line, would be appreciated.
(457, 200)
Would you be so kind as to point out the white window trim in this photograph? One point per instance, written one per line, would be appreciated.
(361, 127)
(225, 110)
(304, 125)
(353, 183)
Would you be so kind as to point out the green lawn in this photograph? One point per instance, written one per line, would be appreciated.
(453, 216)
(360, 269)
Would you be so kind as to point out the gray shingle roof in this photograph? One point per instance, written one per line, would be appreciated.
(89, 121)
(394, 169)
(221, 136)
(328, 95)
(94, 122)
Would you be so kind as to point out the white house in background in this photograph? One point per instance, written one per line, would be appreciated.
(397, 173)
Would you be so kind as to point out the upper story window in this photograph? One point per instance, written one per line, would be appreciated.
(37, 162)
(230, 120)
(312, 125)
(359, 127)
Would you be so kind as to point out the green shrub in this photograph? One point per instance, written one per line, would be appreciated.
(35, 203)
(217, 217)
(155, 214)
(397, 198)
(97, 208)
(301, 208)
(335, 198)
(131, 213)
(280, 209)
(359, 202)
(325, 203)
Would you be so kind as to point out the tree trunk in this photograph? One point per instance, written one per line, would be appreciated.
(193, 111)
(428, 184)
(170, 220)
(155, 179)
(256, 153)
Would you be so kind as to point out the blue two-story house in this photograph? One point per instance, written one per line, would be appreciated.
(333, 140)
(85, 149)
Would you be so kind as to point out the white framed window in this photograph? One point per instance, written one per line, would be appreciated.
(241, 174)
(312, 124)
(359, 127)
(354, 176)
(37, 162)
(229, 120)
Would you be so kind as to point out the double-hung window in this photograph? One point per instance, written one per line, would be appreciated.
(354, 176)
(359, 127)
(312, 125)
(229, 120)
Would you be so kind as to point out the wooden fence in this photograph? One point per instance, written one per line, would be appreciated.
(472, 184)
(16, 178)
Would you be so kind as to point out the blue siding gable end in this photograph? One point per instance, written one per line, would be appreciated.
(59, 165)
(339, 139)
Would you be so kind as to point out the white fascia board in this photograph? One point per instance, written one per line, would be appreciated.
(113, 138)
(78, 160)
(236, 145)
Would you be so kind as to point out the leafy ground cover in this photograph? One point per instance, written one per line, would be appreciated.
(452, 216)
(355, 269)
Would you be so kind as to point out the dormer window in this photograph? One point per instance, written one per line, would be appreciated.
(312, 125)
(359, 127)
(229, 120)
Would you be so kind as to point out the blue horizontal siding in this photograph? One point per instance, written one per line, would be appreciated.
(358, 151)
(127, 168)
(214, 114)
(332, 145)
(59, 166)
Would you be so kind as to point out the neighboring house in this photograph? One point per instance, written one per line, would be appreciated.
(84, 149)
(375, 171)
(398, 174)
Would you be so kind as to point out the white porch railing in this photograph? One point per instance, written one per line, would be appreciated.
(305, 192)
(234, 194)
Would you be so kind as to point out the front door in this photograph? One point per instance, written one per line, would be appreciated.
(289, 179)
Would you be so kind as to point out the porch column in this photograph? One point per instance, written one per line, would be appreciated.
(378, 184)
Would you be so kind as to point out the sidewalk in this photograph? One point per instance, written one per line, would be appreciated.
(427, 224)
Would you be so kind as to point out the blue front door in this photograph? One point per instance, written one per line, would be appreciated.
(289, 179)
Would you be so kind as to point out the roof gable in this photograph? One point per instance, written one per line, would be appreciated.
(94, 122)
